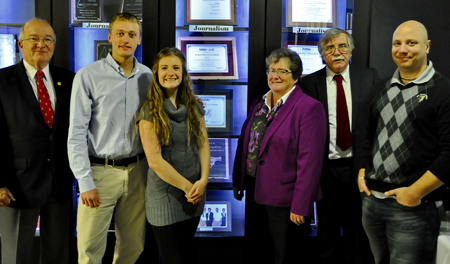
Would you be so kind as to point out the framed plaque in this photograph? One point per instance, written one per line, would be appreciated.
(7, 50)
(309, 53)
(210, 58)
(102, 48)
(210, 12)
(218, 116)
(311, 13)
(220, 165)
(132, 6)
(86, 10)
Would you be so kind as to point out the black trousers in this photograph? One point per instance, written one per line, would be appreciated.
(175, 241)
(18, 227)
(270, 234)
(339, 209)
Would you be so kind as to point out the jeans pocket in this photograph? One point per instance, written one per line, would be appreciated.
(363, 194)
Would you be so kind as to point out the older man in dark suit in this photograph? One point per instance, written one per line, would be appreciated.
(343, 90)
(35, 178)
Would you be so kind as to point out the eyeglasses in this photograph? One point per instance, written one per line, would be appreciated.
(343, 48)
(278, 72)
(35, 40)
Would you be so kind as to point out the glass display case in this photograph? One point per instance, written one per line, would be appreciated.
(213, 35)
(217, 58)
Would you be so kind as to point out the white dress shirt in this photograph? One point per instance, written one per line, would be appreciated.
(335, 151)
(31, 73)
(268, 98)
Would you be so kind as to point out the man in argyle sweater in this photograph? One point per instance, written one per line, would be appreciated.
(406, 154)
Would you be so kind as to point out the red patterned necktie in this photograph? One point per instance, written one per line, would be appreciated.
(344, 136)
(44, 100)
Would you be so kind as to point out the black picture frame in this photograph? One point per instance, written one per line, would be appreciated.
(228, 111)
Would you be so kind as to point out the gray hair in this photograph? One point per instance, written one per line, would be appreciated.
(21, 35)
(295, 63)
(332, 33)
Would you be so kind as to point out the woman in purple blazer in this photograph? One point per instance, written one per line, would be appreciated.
(279, 160)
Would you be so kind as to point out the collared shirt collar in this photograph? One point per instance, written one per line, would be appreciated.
(119, 69)
(268, 97)
(32, 71)
(345, 74)
(423, 78)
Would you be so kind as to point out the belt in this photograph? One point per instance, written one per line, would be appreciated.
(117, 162)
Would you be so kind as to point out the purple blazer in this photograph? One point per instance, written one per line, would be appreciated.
(290, 159)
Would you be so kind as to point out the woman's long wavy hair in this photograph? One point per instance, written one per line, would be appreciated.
(156, 100)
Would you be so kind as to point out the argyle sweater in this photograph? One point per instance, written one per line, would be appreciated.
(408, 132)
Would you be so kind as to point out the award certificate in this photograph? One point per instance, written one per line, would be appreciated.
(210, 10)
(312, 11)
(210, 58)
(207, 58)
(311, 59)
(87, 10)
(215, 110)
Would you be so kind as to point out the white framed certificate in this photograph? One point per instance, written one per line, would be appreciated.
(311, 59)
(210, 12)
(215, 110)
(207, 58)
(311, 13)
(210, 58)
(218, 113)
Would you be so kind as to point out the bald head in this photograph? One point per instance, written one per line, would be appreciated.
(37, 43)
(413, 25)
(410, 46)
(34, 21)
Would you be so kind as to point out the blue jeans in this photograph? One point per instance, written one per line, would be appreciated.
(400, 234)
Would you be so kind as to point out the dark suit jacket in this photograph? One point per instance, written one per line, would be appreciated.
(33, 157)
(361, 81)
(209, 218)
(290, 157)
